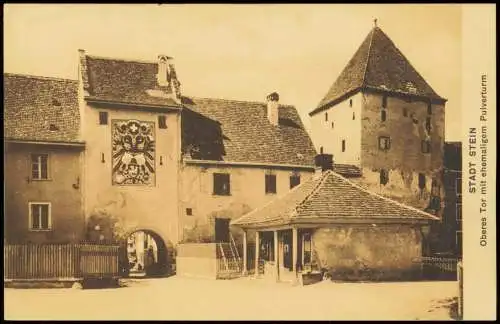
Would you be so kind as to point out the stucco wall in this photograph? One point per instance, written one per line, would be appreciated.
(197, 260)
(381, 252)
(247, 193)
(150, 207)
(66, 203)
(344, 128)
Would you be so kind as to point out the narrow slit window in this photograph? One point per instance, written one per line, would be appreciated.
(326, 116)
(353, 116)
(162, 121)
(350, 102)
(103, 118)
(426, 146)
(384, 101)
(384, 177)
(421, 181)
(383, 115)
(343, 145)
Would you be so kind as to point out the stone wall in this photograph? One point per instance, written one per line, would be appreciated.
(197, 260)
(367, 252)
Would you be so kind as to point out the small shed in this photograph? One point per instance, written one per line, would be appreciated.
(329, 225)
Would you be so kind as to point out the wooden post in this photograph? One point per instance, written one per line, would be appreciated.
(257, 251)
(295, 250)
(245, 252)
(276, 257)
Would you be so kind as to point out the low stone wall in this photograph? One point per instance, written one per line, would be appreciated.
(369, 253)
(197, 260)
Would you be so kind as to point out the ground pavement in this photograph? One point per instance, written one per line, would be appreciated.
(177, 298)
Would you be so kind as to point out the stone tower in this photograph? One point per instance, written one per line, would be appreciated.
(383, 117)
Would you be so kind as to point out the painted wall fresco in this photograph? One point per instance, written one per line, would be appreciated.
(133, 152)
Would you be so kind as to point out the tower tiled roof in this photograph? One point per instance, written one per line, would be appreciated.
(329, 199)
(377, 64)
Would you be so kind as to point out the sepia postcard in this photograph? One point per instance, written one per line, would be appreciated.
(249, 162)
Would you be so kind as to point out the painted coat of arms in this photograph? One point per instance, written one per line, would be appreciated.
(133, 152)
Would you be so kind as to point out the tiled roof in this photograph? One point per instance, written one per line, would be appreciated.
(330, 198)
(40, 108)
(117, 80)
(378, 64)
(239, 131)
(347, 170)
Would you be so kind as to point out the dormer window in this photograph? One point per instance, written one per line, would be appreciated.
(53, 127)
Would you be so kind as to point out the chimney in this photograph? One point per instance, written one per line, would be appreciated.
(167, 77)
(324, 161)
(162, 75)
(272, 108)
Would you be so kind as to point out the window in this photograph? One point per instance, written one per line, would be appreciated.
(103, 118)
(459, 212)
(270, 183)
(429, 109)
(405, 112)
(343, 145)
(421, 181)
(39, 166)
(426, 146)
(458, 186)
(321, 150)
(383, 115)
(189, 211)
(326, 116)
(350, 102)
(333, 125)
(162, 121)
(222, 184)
(428, 124)
(353, 116)
(384, 101)
(294, 180)
(384, 143)
(39, 216)
(384, 177)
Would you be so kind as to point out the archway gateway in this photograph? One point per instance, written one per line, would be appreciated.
(146, 254)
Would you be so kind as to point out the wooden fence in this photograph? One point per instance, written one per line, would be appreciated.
(438, 268)
(60, 261)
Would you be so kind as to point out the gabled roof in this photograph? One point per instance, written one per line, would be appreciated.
(347, 170)
(330, 199)
(123, 81)
(40, 109)
(239, 131)
(377, 64)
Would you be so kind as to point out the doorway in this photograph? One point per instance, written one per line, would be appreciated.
(222, 230)
(146, 254)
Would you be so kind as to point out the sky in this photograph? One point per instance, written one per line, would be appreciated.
(241, 52)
